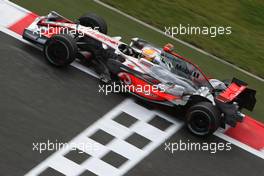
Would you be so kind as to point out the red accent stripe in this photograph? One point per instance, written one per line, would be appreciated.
(231, 92)
(250, 132)
(23, 23)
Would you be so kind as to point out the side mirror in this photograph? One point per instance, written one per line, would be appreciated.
(168, 47)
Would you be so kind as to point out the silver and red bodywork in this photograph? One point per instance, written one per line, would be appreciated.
(189, 83)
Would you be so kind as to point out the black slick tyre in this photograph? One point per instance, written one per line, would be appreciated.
(60, 50)
(202, 119)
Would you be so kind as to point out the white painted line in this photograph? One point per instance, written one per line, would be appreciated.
(125, 149)
(180, 41)
(139, 112)
(262, 151)
(99, 167)
(240, 144)
(94, 164)
(99, 151)
(9, 14)
(148, 131)
(15, 6)
(115, 128)
(64, 165)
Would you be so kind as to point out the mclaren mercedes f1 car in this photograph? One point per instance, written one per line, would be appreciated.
(172, 80)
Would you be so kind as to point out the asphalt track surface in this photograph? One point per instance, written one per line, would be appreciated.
(39, 102)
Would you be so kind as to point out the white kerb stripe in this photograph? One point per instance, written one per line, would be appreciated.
(9, 14)
(262, 151)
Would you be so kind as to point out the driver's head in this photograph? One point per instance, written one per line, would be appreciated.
(149, 54)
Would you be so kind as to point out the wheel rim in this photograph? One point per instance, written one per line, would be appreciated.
(199, 123)
(57, 52)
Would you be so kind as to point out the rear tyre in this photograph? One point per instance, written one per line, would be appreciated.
(94, 21)
(203, 119)
(60, 50)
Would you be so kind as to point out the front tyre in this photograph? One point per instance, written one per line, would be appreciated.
(203, 119)
(60, 50)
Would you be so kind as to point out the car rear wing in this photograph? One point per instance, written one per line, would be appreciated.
(238, 92)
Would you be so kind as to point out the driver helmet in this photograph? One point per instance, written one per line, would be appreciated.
(149, 54)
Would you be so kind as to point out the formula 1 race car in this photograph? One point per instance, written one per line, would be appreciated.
(152, 73)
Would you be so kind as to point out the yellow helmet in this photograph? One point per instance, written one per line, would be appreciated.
(149, 53)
